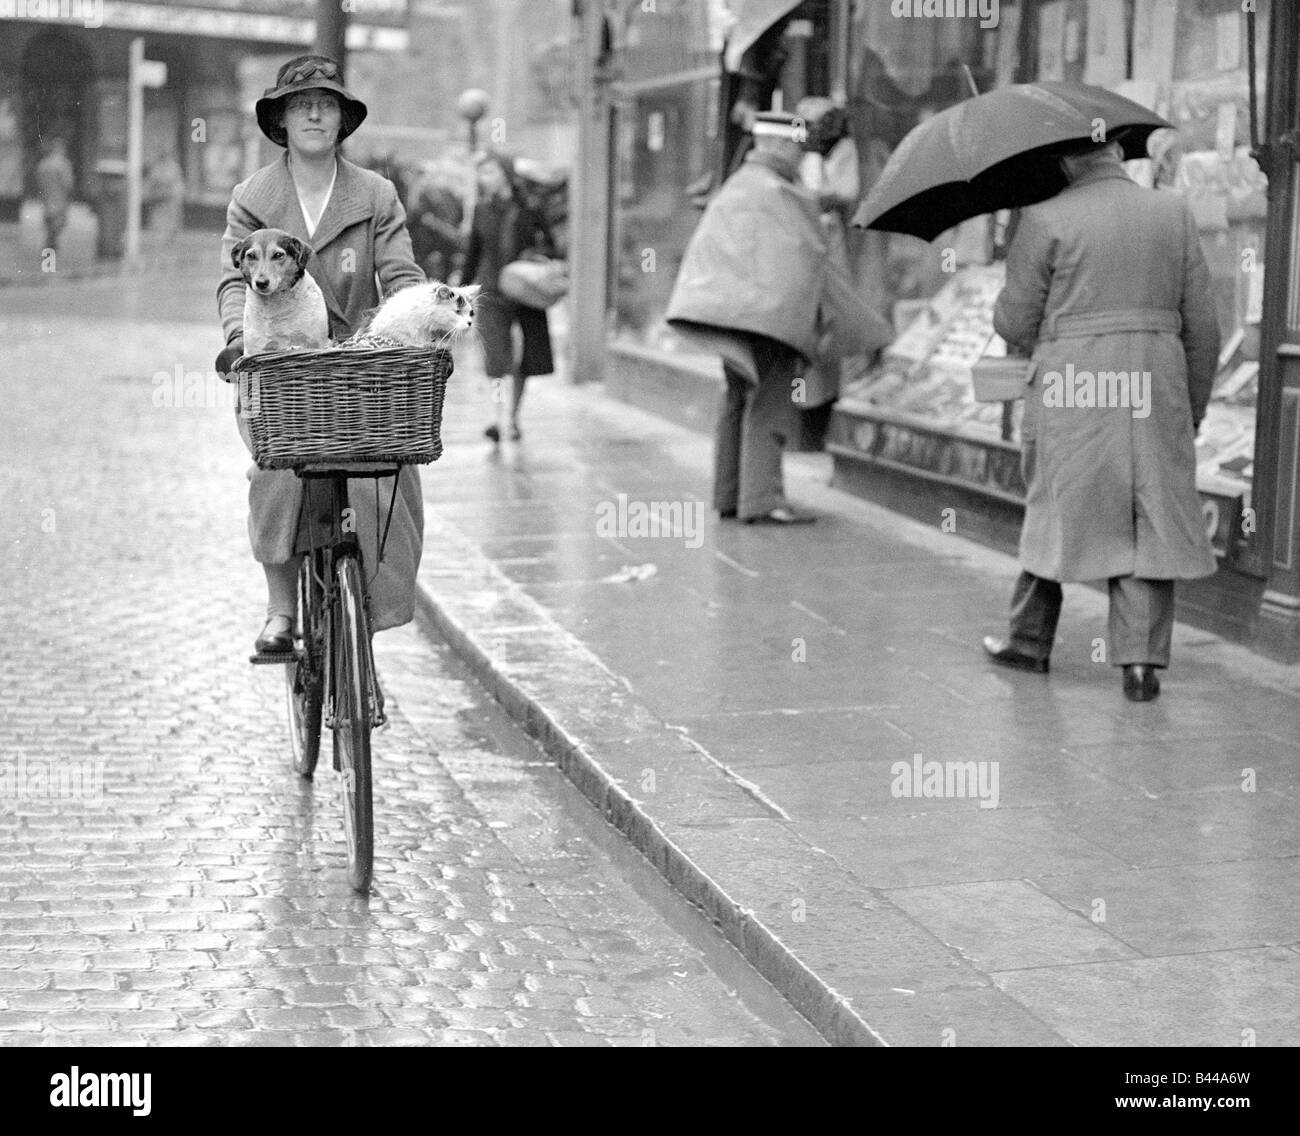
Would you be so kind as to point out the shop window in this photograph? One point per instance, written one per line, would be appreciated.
(1186, 60)
(1205, 95)
(676, 141)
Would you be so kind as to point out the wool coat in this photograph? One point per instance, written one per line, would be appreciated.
(1107, 282)
(501, 231)
(362, 251)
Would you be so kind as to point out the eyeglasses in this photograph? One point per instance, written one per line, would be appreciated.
(305, 104)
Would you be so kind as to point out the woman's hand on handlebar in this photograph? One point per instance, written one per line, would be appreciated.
(230, 355)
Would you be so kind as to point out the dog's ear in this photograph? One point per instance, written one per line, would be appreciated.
(299, 250)
(237, 253)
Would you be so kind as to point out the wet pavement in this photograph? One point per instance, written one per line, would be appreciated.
(800, 728)
(190, 890)
(755, 709)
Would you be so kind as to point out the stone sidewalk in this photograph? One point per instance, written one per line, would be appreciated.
(764, 714)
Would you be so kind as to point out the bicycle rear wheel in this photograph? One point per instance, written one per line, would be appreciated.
(352, 718)
(304, 678)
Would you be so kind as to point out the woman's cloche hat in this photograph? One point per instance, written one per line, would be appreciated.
(307, 73)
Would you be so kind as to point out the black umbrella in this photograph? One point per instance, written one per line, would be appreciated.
(997, 151)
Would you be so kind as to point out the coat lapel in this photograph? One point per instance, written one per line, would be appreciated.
(270, 197)
(348, 204)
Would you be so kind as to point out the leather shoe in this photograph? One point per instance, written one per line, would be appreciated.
(1006, 655)
(1141, 683)
(275, 642)
(780, 516)
(727, 514)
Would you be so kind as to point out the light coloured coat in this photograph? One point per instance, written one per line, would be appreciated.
(761, 262)
(1106, 277)
(361, 248)
(757, 260)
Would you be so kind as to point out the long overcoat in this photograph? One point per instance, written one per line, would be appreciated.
(362, 249)
(757, 260)
(1108, 282)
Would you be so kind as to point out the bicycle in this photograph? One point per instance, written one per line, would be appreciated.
(331, 416)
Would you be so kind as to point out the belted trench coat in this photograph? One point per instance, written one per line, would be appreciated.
(1108, 283)
(361, 248)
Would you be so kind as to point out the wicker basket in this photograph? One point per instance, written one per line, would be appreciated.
(344, 405)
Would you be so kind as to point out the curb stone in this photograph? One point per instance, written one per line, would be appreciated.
(516, 650)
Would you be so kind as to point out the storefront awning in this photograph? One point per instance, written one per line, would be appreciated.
(751, 18)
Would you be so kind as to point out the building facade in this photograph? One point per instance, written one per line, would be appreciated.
(906, 431)
(64, 67)
(63, 73)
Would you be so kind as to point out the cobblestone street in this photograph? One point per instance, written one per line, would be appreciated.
(196, 895)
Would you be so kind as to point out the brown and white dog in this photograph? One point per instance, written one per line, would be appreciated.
(284, 309)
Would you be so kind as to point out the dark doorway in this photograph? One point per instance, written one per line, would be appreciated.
(57, 73)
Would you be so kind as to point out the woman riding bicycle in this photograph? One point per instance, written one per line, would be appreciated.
(354, 221)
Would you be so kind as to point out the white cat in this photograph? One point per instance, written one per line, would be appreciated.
(422, 315)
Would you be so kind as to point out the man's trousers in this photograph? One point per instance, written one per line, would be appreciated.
(752, 429)
(1141, 621)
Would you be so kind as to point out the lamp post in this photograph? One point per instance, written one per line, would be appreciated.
(332, 30)
(471, 105)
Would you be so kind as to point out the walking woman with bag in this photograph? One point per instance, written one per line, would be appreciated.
(506, 228)
(354, 221)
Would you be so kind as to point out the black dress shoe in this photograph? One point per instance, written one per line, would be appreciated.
(274, 642)
(727, 514)
(1007, 656)
(1141, 683)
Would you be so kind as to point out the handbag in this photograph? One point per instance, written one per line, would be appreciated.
(535, 282)
(1001, 378)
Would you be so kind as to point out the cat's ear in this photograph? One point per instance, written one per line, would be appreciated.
(442, 293)
(471, 291)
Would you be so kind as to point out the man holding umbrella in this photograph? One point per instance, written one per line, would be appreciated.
(1107, 282)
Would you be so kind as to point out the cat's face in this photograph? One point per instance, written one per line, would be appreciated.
(427, 314)
(452, 311)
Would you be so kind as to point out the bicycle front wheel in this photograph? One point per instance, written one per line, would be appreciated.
(352, 719)
(304, 678)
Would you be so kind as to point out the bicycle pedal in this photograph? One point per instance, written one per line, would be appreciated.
(272, 658)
